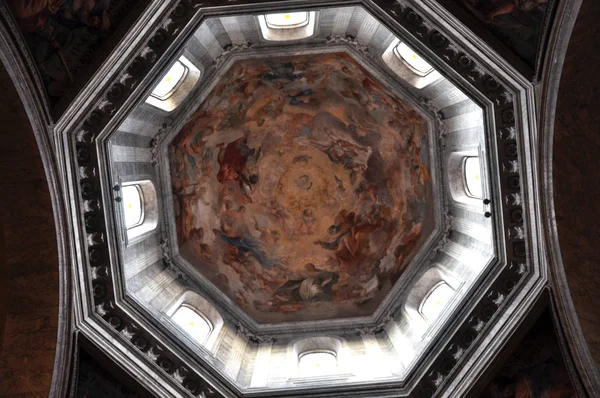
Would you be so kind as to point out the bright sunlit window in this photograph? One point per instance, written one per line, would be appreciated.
(133, 205)
(472, 176)
(436, 301)
(287, 20)
(286, 26)
(169, 81)
(192, 323)
(412, 59)
(317, 363)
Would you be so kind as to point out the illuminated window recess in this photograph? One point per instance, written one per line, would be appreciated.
(140, 212)
(413, 60)
(317, 363)
(196, 326)
(436, 301)
(170, 81)
(291, 20)
(287, 26)
(175, 85)
(472, 176)
(409, 65)
(133, 206)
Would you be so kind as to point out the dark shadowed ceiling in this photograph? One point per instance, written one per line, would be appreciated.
(236, 167)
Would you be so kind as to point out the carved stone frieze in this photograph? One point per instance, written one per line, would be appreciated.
(376, 328)
(228, 50)
(350, 40)
(252, 336)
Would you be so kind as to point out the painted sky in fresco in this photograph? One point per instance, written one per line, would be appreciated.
(302, 188)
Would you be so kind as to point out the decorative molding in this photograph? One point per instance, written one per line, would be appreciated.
(252, 336)
(352, 41)
(228, 50)
(155, 144)
(167, 259)
(167, 360)
(439, 119)
(376, 328)
(447, 230)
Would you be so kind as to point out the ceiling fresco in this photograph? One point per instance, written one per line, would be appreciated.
(302, 188)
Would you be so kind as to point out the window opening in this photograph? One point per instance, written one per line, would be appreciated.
(133, 205)
(170, 81)
(287, 26)
(194, 324)
(436, 301)
(287, 20)
(472, 177)
(317, 363)
(415, 62)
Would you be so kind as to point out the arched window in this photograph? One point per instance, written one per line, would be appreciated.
(175, 85)
(170, 81)
(436, 300)
(317, 363)
(287, 20)
(140, 209)
(286, 26)
(466, 178)
(133, 206)
(412, 60)
(472, 177)
(409, 65)
(194, 324)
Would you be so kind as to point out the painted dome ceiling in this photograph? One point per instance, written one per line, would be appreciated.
(302, 188)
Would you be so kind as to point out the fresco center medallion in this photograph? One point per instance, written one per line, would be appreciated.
(302, 188)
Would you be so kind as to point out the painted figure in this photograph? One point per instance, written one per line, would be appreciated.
(313, 284)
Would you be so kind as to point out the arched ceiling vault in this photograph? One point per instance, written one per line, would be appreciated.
(514, 275)
(29, 298)
(568, 184)
(120, 326)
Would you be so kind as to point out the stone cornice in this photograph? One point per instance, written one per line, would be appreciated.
(509, 290)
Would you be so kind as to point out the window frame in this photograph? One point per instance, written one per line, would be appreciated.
(401, 68)
(142, 206)
(201, 315)
(468, 191)
(170, 93)
(407, 63)
(455, 175)
(203, 307)
(302, 24)
(149, 224)
(428, 296)
(178, 94)
(317, 351)
(291, 33)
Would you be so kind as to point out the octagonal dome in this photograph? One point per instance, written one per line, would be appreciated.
(302, 187)
(295, 205)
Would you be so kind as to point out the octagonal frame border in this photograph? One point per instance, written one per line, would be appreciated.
(389, 305)
(88, 317)
(115, 320)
